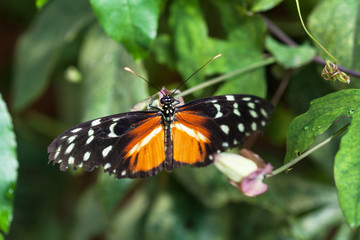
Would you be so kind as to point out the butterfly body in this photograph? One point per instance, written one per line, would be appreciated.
(142, 143)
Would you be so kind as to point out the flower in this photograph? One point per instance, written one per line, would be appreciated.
(246, 171)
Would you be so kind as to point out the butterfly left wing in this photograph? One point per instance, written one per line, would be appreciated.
(127, 145)
(209, 125)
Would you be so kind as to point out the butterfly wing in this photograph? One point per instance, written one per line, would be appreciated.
(209, 125)
(126, 145)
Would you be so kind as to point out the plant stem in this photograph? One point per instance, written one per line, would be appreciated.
(279, 34)
(308, 33)
(221, 78)
(308, 152)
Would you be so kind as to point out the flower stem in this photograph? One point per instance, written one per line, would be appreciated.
(308, 152)
(262, 63)
(308, 33)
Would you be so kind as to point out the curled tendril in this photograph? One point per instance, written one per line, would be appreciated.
(332, 73)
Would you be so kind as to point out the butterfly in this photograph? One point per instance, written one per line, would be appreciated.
(142, 143)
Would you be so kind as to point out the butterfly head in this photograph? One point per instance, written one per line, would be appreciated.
(167, 101)
(168, 108)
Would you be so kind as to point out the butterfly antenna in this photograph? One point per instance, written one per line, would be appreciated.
(133, 72)
(196, 72)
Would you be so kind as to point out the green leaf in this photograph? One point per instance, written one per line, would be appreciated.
(190, 39)
(8, 169)
(347, 171)
(290, 57)
(106, 83)
(133, 23)
(322, 113)
(40, 48)
(335, 24)
(264, 5)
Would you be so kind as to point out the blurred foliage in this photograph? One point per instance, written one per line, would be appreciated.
(68, 67)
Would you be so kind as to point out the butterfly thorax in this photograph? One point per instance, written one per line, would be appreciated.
(167, 109)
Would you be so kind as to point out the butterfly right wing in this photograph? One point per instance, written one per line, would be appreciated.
(126, 145)
(209, 125)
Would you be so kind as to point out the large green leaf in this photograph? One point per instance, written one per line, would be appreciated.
(290, 57)
(336, 24)
(133, 23)
(8, 168)
(108, 88)
(347, 170)
(40, 48)
(322, 113)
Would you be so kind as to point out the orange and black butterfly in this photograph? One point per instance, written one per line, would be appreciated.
(142, 143)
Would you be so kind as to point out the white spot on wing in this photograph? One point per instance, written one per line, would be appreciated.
(253, 113)
(251, 105)
(71, 160)
(253, 126)
(90, 132)
(76, 130)
(230, 97)
(263, 123)
(106, 151)
(123, 173)
(236, 110)
(246, 98)
(225, 144)
(69, 148)
(57, 152)
(211, 157)
(225, 129)
(71, 139)
(263, 112)
(95, 122)
(86, 156)
(219, 113)
(89, 140)
(107, 165)
(241, 127)
(112, 133)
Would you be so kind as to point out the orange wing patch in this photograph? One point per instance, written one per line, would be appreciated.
(146, 151)
(189, 140)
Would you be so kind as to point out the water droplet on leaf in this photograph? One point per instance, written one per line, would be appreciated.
(9, 191)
